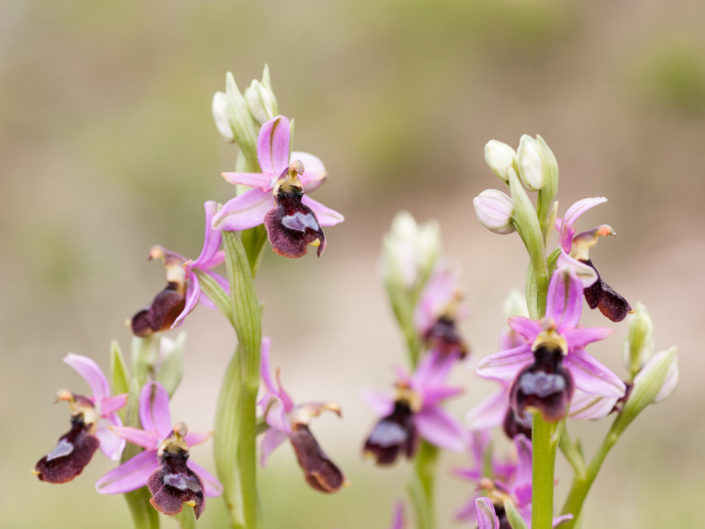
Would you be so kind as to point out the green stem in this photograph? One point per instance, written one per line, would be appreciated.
(187, 518)
(421, 486)
(543, 464)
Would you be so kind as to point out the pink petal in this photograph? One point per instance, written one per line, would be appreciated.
(490, 412)
(204, 300)
(314, 170)
(585, 273)
(197, 438)
(582, 336)
(440, 429)
(244, 211)
(324, 215)
(524, 327)
(522, 479)
(585, 406)
(89, 370)
(261, 181)
(592, 377)
(559, 520)
(264, 368)
(486, 516)
(111, 444)
(131, 475)
(432, 371)
(110, 405)
(580, 207)
(148, 440)
(433, 395)
(505, 365)
(211, 240)
(398, 521)
(381, 403)
(564, 303)
(154, 409)
(270, 440)
(273, 146)
(211, 485)
(193, 295)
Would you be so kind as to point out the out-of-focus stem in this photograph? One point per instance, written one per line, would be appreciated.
(422, 484)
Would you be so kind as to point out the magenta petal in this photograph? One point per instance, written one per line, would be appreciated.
(89, 370)
(211, 240)
(211, 485)
(398, 521)
(154, 409)
(592, 377)
(490, 412)
(111, 444)
(193, 295)
(145, 439)
(582, 336)
(590, 407)
(131, 475)
(522, 478)
(261, 181)
(314, 170)
(440, 429)
(505, 365)
(524, 327)
(110, 405)
(564, 303)
(585, 273)
(580, 207)
(265, 369)
(244, 211)
(486, 516)
(273, 145)
(433, 395)
(270, 441)
(381, 403)
(197, 438)
(324, 215)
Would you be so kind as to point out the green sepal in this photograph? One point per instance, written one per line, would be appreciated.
(244, 126)
(253, 240)
(545, 202)
(171, 366)
(144, 355)
(211, 288)
(118, 369)
(515, 519)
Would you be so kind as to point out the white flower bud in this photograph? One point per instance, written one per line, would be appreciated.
(220, 115)
(261, 102)
(530, 163)
(495, 209)
(515, 305)
(500, 157)
(639, 345)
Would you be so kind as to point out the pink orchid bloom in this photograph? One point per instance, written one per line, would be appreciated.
(91, 420)
(293, 220)
(164, 465)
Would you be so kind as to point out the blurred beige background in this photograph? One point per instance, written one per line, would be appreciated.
(107, 146)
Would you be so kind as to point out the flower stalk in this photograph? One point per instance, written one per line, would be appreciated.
(421, 486)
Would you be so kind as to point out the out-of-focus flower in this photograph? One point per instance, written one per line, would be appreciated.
(398, 519)
(415, 411)
(552, 362)
(91, 418)
(183, 292)
(501, 158)
(494, 210)
(576, 248)
(293, 220)
(164, 466)
(439, 309)
(287, 420)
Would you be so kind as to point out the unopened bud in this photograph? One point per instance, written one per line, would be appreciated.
(494, 209)
(639, 345)
(515, 305)
(500, 157)
(170, 363)
(261, 102)
(220, 115)
(530, 163)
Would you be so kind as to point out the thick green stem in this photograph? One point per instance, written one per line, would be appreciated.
(421, 486)
(187, 518)
(543, 465)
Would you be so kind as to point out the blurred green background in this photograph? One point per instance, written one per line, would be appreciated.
(107, 146)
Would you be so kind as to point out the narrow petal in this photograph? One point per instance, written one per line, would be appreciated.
(131, 475)
(89, 370)
(193, 295)
(314, 171)
(273, 145)
(565, 298)
(211, 239)
(154, 409)
(592, 377)
(110, 405)
(111, 444)
(325, 215)
(490, 412)
(434, 395)
(197, 438)
(270, 441)
(585, 273)
(398, 521)
(524, 327)
(440, 429)
(244, 211)
(486, 516)
(145, 439)
(585, 406)
(559, 520)
(211, 485)
(580, 207)
(582, 336)
(505, 365)
(264, 367)
(522, 479)
(381, 403)
(261, 181)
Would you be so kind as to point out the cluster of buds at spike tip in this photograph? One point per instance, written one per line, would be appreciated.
(91, 422)
(533, 162)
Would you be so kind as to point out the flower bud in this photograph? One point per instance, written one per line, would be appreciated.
(261, 101)
(530, 163)
(639, 345)
(500, 157)
(515, 305)
(170, 368)
(494, 209)
(220, 115)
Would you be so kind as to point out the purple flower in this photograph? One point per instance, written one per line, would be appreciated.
(164, 466)
(552, 361)
(91, 418)
(183, 292)
(293, 220)
(415, 411)
(287, 420)
(438, 310)
(575, 249)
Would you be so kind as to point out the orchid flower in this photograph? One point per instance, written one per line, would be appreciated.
(575, 250)
(293, 220)
(91, 418)
(551, 362)
(439, 309)
(183, 292)
(164, 466)
(287, 420)
(415, 411)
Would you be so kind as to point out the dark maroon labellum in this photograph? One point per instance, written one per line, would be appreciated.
(600, 295)
(393, 434)
(161, 314)
(174, 484)
(321, 473)
(514, 425)
(72, 453)
(292, 225)
(544, 385)
(443, 337)
(502, 517)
